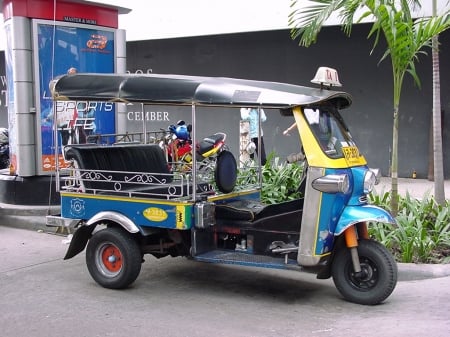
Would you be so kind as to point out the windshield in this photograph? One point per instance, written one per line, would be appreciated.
(330, 130)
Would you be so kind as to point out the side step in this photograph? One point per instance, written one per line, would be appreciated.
(245, 259)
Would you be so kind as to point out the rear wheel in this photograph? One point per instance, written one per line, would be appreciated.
(113, 258)
(377, 278)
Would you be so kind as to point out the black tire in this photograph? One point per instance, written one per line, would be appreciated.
(225, 173)
(377, 279)
(113, 258)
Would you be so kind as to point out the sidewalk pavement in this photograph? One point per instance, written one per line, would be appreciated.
(417, 188)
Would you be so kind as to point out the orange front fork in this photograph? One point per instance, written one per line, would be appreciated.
(351, 235)
(363, 232)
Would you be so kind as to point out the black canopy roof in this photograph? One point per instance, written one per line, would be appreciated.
(187, 90)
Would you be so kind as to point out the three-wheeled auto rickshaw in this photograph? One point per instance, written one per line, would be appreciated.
(124, 200)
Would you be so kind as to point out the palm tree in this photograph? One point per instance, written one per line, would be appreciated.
(438, 165)
(405, 38)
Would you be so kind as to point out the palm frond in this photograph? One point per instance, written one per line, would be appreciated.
(308, 21)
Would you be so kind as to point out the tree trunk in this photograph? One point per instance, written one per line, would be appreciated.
(430, 151)
(439, 193)
(394, 164)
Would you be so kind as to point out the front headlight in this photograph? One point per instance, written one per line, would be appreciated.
(370, 180)
(332, 183)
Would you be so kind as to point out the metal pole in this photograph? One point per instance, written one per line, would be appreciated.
(194, 157)
(55, 141)
(259, 146)
(144, 125)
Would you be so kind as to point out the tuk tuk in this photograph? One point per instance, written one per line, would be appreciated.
(124, 200)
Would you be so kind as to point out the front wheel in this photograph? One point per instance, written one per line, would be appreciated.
(377, 278)
(113, 258)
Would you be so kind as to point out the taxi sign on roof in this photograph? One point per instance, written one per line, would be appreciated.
(326, 76)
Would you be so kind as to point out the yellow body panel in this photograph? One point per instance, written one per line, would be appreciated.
(232, 195)
(127, 199)
(314, 153)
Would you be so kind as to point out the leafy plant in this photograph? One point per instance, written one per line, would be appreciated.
(280, 180)
(422, 232)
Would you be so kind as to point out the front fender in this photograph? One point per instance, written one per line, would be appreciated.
(84, 232)
(354, 214)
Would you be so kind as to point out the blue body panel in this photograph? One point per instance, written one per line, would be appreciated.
(357, 184)
(332, 205)
(338, 211)
(143, 212)
(363, 213)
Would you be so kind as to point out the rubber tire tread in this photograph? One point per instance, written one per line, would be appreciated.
(387, 273)
(131, 254)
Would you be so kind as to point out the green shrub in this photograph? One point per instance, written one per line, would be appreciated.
(280, 180)
(422, 232)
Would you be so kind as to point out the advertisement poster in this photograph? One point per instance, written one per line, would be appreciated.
(63, 50)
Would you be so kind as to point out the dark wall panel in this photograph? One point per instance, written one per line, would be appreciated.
(272, 55)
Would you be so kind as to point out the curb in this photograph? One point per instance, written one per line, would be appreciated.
(415, 271)
(28, 210)
(27, 216)
(30, 222)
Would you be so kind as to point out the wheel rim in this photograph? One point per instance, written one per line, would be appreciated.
(109, 259)
(367, 279)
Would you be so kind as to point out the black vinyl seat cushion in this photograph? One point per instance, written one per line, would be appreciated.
(118, 161)
(253, 210)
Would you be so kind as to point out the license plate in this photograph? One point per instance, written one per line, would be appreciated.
(351, 153)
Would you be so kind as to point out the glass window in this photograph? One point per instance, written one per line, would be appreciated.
(329, 129)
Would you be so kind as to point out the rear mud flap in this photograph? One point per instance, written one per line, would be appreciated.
(79, 241)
